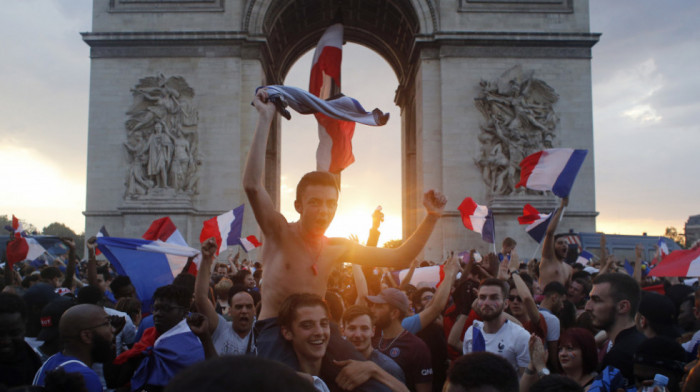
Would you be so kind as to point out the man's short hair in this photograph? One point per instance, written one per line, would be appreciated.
(483, 369)
(241, 288)
(415, 297)
(129, 305)
(104, 271)
(356, 311)
(509, 242)
(316, 178)
(12, 303)
(90, 295)
(560, 235)
(622, 286)
(49, 273)
(497, 282)
(119, 283)
(240, 276)
(288, 309)
(175, 293)
(554, 287)
(185, 280)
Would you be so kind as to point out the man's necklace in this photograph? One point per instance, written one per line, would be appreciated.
(316, 255)
(381, 339)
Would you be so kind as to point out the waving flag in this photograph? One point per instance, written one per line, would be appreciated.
(538, 228)
(530, 215)
(551, 170)
(432, 275)
(663, 248)
(149, 264)
(679, 263)
(101, 233)
(584, 258)
(225, 228)
(334, 151)
(249, 243)
(477, 218)
(164, 229)
(18, 248)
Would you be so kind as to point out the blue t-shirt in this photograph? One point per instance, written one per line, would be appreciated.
(412, 324)
(70, 365)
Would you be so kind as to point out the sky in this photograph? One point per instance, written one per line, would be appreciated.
(645, 91)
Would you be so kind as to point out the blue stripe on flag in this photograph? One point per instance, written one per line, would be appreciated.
(562, 186)
(478, 341)
(488, 230)
(234, 236)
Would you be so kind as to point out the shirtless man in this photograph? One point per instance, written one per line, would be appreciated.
(553, 267)
(297, 256)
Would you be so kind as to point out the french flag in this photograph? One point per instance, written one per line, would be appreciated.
(538, 228)
(334, 151)
(18, 248)
(149, 264)
(164, 229)
(530, 215)
(433, 275)
(584, 258)
(249, 243)
(477, 218)
(551, 170)
(663, 248)
(101, 233)
(225, 228)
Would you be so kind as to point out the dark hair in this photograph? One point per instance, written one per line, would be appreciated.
(556, 383)
(12, 303)
(27, 281)
(104, 271)
(252, 374)
(483, 369)
(240, 276)
(177, 294)
(509, 242)
(288, 309)
(554, 287)
(129, 305)
(415, 297)
(245, 289)
(185, 280)
(622, 286)
(49, 273)
(356, 311)
(316, 178)
(90, 295)
(582, 339)
(119, 283)
(497, 282)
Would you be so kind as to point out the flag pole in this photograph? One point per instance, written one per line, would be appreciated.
(493, 220)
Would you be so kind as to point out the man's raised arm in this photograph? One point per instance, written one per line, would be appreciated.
(434, 203)
(201, 285)
(260, 200)
(548, 244)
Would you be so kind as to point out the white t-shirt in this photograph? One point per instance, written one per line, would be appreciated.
(553, 325)
(510, 342)
(228, 342)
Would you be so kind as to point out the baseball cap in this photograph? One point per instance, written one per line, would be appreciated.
(50, 317)
(391, 296)
(661, 313)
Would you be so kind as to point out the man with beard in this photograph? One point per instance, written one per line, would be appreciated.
(614, 302)
(554, 248)
(233, 337)
(87, 335)
(164, 349)
(409, 351)
(18, 362)
(495, 333)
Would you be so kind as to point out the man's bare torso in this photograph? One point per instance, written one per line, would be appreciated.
(554, 270)
(295, 265)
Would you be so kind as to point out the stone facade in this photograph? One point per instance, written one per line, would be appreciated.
(441, 51)
(692, 230)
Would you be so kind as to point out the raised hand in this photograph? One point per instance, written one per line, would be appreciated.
(434, 202)
(263, 104)
(199, 324)
(209, 248)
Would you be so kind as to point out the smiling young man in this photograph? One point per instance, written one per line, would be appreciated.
(298, 257)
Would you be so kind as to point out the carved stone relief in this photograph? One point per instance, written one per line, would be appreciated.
(162, 140)
(519, 120)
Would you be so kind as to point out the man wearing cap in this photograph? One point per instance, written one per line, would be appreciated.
(50, 318)
(405, 348)
(656, 316)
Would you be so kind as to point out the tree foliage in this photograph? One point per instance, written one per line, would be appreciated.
(672, 233)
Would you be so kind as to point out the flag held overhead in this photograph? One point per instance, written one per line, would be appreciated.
(551, 170)
(225, 228)
(477, 218)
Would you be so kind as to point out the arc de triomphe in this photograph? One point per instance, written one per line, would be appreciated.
(482, 83)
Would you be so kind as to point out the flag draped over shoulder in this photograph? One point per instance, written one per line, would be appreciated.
(149, 264)
(553, 170)
(225, 228)
(340, 108)
(477, 218)
(334, 151)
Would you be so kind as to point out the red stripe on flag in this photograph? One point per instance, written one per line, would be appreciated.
(530, 215)
(467, 209)
(328, 63)
(527, 166)
(160, 229)
(341, 133)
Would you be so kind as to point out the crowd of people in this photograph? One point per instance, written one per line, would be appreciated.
(327, 314)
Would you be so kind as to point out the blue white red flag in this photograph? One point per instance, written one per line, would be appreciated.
(164, 229)
(249, 243)
(334, 151)
(584, 258)
(663, 248)
(18, 248)
(538, 228)
(101, 233)
(551, 170)
(530, 215)
(682, 262)
(477, 218)
(172, 352)
(225, 228)
(432, 275)
(149, 264)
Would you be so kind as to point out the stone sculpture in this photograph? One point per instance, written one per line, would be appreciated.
(162, 140)
(519, 120)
